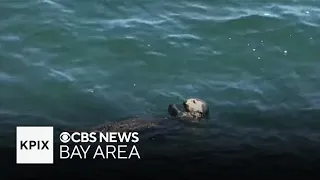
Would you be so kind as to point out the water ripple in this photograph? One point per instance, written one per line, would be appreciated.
(57, 6)
(60, 74)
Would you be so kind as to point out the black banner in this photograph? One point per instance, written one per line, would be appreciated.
(170, 161)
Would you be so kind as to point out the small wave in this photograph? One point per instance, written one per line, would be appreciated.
(196, 5)
(183, 36)
(10, 37)
(57, 5)
(122, 22)
(60, 74)
(229, 13)
(156, 53)
(6, 77)
(308, 15)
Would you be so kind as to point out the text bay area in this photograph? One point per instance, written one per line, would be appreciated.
(99, 152)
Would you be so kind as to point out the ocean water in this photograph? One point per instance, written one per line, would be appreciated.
(79, 63)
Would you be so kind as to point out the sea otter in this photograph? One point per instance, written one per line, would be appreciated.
(194, 110)
(191, 110)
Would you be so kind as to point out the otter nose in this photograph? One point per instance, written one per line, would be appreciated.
(184, 103)
(173, 110)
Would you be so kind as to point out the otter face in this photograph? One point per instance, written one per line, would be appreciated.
(194, 109)
(194, 105)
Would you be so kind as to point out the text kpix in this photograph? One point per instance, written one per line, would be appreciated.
(29, 145)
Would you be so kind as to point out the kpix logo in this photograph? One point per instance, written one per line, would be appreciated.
(28, 145)
(34, 145)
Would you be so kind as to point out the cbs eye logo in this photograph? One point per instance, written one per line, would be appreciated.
(78, 137)
(65, 137)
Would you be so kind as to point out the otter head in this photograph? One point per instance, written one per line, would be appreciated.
(192, 109)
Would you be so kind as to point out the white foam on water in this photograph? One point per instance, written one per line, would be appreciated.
(57, 5)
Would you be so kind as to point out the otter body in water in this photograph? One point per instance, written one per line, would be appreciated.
(192, 110)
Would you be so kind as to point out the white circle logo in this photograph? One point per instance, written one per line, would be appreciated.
(64, 137)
